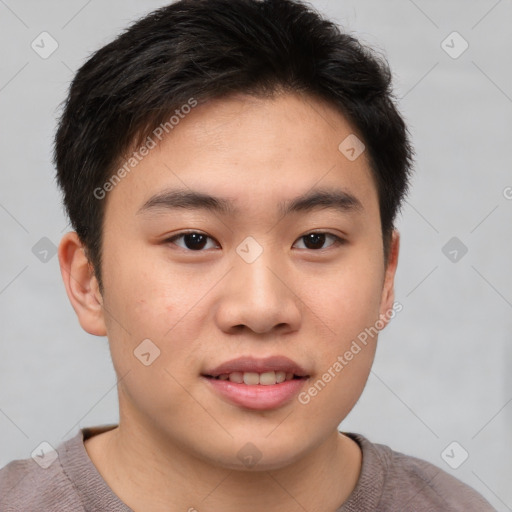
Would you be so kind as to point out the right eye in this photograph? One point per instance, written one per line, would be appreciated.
(192, 240)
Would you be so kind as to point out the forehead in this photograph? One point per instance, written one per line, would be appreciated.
(254, 152)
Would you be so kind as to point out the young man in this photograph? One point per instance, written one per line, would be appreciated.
(232, 170)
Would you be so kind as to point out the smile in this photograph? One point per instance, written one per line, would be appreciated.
(253, 378)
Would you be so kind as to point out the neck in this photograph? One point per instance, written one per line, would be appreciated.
(148, 473)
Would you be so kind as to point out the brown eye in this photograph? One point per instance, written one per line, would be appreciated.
(192, 241)
(196, 241)
(316, 240)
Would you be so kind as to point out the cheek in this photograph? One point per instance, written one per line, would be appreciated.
(345, 350)
(350, 300)
(151, 342)
(151, 300)
(145, 294)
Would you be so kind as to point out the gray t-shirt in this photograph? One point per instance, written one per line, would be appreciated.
(389, 482)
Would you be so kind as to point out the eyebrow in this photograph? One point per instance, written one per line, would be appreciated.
(315, 199)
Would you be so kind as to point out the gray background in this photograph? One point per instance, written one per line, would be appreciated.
(441, 368)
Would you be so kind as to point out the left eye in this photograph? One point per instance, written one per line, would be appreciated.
(316, 239)
(196, 241)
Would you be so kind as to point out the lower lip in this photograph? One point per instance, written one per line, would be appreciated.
(257, 397)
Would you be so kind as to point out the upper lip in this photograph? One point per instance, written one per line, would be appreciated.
(251, 364)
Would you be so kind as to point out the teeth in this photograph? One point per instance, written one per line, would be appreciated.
(281, 377)
(236, 377)
(268, 378)
(253, 378)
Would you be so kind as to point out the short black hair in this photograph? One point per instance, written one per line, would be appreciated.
(196, 50)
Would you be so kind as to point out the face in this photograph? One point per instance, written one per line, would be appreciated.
(273, 272)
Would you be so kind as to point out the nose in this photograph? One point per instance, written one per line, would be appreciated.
(259, 296)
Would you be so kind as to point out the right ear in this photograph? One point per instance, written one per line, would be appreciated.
(81, 284)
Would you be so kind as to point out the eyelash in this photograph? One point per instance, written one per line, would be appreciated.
(337, 240)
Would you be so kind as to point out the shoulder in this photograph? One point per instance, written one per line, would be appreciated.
(408, 482)
(28, 485)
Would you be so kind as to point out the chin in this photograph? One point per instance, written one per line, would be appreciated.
(258, 453)
(257, 462)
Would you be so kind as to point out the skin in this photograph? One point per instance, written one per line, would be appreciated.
(177, 442)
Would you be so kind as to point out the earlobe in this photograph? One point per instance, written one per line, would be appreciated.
(81, 285)
(388, 290)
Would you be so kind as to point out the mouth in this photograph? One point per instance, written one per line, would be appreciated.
(257, 384)
(268, 378)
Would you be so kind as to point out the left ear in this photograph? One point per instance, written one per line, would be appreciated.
(388, 289)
